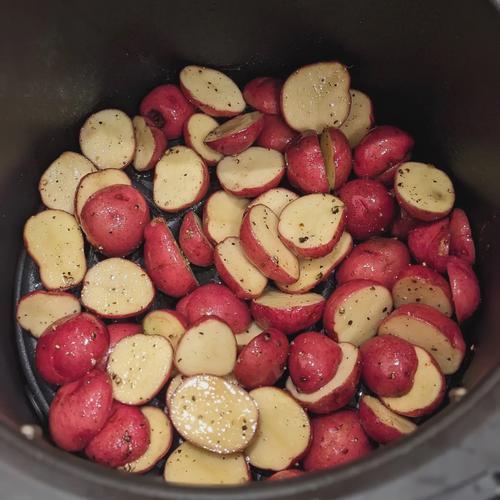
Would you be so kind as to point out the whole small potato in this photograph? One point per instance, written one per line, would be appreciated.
(275, 134)
(114, 219)
(263, 94)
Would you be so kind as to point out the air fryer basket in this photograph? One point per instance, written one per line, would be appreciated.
(431, 68)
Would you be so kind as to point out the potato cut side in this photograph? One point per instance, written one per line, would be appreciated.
(36, 311)
(189, 464)
(222, 216)
(117, 288)
(234, 126)
(252, 172)
(161, 435)
(311, 223)
(181, 179)
(283, 432)
(149, 147)
(275, 199)
(427, 390)
(313, 271)
(424, 191)
(360, 118)
(316, 96)
(388, 417)
(279, 300)
(214, 414)
(139, 367)
(165, 323)
(242, 339)
(359, 315)
(217, 94)
(107, 139)
(54, 241)
(328, 153)
(197, 128)
(59, 182)
(237, 271)
(96, 181)
(208, 347)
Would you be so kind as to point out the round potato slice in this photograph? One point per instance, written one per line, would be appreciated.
(214, 414)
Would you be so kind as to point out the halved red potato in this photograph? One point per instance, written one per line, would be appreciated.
(150, 144)
(286, 474)
(164, 261)
(211, 91)
(59, 182)
(117, 332)
(237, 272)
(214, 414)
(139, 367)
(54, 241)
(430, 329)
(196, 128)
(336, 393)
(461, 241)
(337, 155)
(360, 119)
(263, 93)
(252, 172)
(286, 312)
(314, 271)
(39, 309)
(237, 134)
(167, 323)
(107, 139)
(382, 424)
(263, 246)
(465, 289)
(160, 441)
(312, 225)
(424, 191)
(207, 347)
(354, 311)
(117, 288)
(283, 433)
(276, 199)
(316, 96)
(95, 181)
(426, 393)
(403, 224)
(275, 134)
(243, 338)
(191, 465)
(422, 285)
(222, 216)
(193, 242)
(181, 179)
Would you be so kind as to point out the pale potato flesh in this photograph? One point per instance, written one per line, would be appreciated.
(198, 127)
(161, 434)
(313, 271)
(212, 88)
(283, 432)
(254, 168)
(233, 126)
(360, 118)
(327, 151)
(39, 310)
(360, 314)
(59, 182)
(163, 323)
(107, 139)
(189, 464)
(214, 414)
(139, 367)
(316, 96)
(242, 339)
(117, 288)
(275, 199)
(312, 220)
(388, 417)
(145, 144)
(279, 300)
(55, 242)
(179, 178)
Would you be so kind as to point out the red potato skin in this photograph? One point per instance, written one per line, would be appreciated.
(389, 365)
(114, 219)
(208, 110)
(193, 242)
(168, 109)
(71, 347)
(123, 439)
(313, 362)
(164, 261)
(286, 474)
(276, 134)
(387, 177)
(337, 439)
(263, 94)
(263, 360)
(427, 274)
(403, 224)
(182, 306)
(461, 241)
(464, 288)
(379, 259)
(342, 157)
(370, 208)
(253, 192)
(80, 410)
(382, 148)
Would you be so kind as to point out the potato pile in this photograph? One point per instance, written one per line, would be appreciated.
(341, 262)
